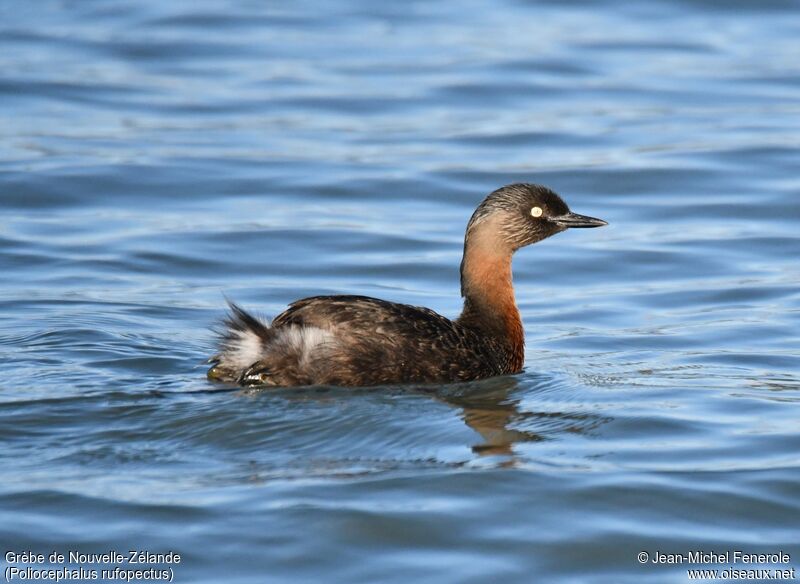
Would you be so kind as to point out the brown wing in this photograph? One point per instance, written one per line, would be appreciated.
(395, 341)
(356, 311)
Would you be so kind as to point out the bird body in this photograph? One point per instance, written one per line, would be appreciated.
(362, 341)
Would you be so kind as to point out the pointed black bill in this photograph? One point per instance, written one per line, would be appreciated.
(575, 220)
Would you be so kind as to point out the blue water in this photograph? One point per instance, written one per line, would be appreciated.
(157, 155)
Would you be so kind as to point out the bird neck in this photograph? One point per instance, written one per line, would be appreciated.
(488, 291)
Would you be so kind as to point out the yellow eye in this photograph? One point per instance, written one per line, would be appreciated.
(536, 211)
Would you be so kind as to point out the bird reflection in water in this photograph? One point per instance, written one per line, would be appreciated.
(492, 408)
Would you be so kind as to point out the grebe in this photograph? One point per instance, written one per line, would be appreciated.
(362, 341)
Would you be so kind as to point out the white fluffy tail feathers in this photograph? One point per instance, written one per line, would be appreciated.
(243, 341)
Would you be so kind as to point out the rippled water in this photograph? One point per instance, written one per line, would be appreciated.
(157, 155)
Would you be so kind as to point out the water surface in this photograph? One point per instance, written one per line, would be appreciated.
(157, 155)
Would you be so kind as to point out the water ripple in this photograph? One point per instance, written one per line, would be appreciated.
(156, 156)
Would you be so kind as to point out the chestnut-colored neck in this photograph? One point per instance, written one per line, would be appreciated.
(486, 285)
